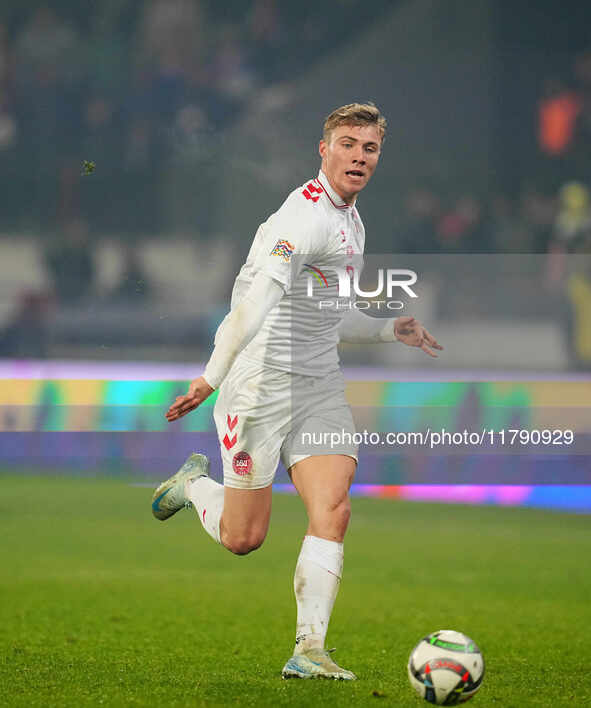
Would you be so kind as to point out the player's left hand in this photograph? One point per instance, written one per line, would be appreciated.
(199, 390)
(411, 332)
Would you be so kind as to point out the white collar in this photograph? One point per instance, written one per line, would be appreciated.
(336, 200)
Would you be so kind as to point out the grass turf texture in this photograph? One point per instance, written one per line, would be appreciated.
(102, 604)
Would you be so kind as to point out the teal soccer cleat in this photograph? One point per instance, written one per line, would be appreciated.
(171, 496)
(315, 663)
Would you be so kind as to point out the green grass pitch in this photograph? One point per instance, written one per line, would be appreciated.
(103, 605)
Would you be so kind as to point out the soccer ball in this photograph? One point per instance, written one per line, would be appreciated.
(446, 668)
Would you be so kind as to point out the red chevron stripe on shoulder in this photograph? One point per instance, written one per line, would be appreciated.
(312, 189)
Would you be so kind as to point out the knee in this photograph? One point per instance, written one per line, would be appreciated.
(332, 521)
(242, 545)
(341, 513)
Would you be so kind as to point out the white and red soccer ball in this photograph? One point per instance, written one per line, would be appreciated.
(446, 668)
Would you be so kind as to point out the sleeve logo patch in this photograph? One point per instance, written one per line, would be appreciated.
(283, 249)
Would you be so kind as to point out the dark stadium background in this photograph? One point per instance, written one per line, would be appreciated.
(141, 144)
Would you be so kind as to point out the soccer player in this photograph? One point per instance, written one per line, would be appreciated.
(276, 366)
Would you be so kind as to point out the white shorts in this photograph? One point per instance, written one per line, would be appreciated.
(263, 414)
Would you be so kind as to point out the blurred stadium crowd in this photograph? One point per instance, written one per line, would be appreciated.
(147, 91)
(139, 86)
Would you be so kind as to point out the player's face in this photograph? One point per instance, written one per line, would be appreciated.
(349, 158)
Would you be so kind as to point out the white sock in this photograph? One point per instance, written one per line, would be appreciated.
(316, 583)
(208, 499)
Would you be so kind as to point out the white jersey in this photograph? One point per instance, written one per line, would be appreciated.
(300, 246)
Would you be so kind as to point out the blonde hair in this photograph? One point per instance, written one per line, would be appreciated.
(355, 114)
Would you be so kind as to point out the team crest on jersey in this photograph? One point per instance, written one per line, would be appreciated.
(283, 249)
(242, 463)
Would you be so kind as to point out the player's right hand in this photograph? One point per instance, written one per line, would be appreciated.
(199, 390)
